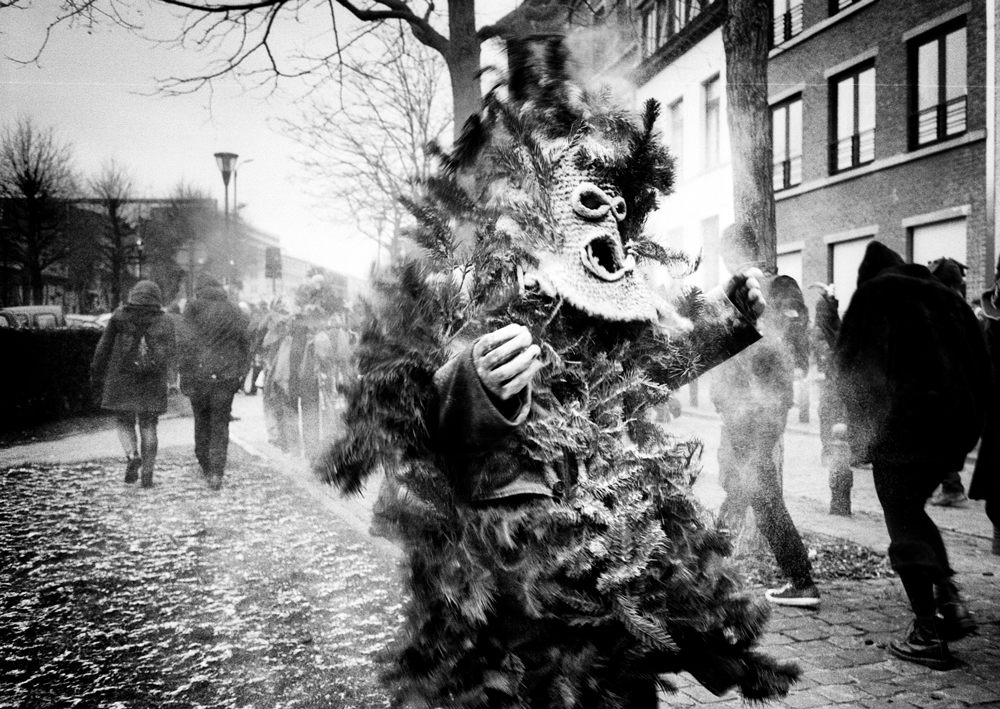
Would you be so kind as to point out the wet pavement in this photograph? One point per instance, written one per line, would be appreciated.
(270, 593)
(176, 596)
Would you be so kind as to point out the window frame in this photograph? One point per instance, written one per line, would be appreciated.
(787, 163)
(833, 84)
(938, 36)
(838, 6)
(712, 157)
(791, 21)
(675, 109)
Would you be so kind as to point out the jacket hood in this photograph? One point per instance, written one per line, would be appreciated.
(878, 258)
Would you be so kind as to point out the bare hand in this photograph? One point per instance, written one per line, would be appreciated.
(744, 290)
(506, 360)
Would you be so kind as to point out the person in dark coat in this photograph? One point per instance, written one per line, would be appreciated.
(985, 483)
(753, 393)
(215, 357)
(823, 339)
(132, 365)
(952, 274)
(911, 364)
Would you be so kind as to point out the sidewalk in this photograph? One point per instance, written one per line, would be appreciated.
(841, 648)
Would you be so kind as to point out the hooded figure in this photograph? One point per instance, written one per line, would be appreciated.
(215, 355)
(823, 340)
(132, 363)
(555, 554)
(985, 483)
(911, 366)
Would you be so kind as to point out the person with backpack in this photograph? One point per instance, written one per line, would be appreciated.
(913, 374)
(215, 357)
(131, 366)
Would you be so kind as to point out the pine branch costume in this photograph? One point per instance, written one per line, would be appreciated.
(555, 554)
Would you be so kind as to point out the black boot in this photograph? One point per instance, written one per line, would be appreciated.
(132, 464)
(923, 644)
(956, 619)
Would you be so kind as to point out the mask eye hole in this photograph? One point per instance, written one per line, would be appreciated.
(619, 208)
(590, 201)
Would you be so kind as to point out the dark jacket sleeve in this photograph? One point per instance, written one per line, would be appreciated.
(468, 420)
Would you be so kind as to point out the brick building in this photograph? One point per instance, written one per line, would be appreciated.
(880, 123)
(884, 126)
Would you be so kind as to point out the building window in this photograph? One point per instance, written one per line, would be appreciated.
(676, 135)
(787, 20)
(661, 20)
(841, 5)
(712, 91)
(853, 124)
(651, 20)
(786, 126)
(939, 93)
(683, 12)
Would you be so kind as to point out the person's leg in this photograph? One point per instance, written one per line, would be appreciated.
(150, 443)
(201, 407)
(952, 492)
(733, 446)
(311, 434)
(221, 408)
(125, 426)
(773, 519)
(918, 556)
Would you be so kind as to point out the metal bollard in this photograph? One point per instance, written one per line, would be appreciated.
(841, 475)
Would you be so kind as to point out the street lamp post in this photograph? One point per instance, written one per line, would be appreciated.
(227, 165)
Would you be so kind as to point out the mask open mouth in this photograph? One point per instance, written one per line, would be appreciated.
(604, 257)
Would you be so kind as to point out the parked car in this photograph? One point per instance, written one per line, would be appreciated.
(88, 321)
(7, 320)
(36, 316)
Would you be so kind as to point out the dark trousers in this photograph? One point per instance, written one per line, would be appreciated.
(212, 406)
(916, 551)
(749, 455)
(914, 539)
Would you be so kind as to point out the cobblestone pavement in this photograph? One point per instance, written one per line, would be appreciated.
(841, 650)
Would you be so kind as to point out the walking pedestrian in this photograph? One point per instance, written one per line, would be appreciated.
(753, 393)
(132, 364)
(952, 492)
(215, 355)
(985, 483)
(822, 342)
(911, 364)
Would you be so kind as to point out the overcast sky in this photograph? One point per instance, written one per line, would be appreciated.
(98, 89)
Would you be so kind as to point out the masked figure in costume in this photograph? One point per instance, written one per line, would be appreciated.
(555, 554)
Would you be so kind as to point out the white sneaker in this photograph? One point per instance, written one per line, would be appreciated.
(788, 595)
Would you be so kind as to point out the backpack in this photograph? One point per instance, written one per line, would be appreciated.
(140, 357)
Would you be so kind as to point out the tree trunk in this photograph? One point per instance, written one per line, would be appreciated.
(463, 58)
(745, 36)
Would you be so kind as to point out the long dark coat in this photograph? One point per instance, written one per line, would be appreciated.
(216, 345)
(985, 483)
(912, 368)
(123, 389)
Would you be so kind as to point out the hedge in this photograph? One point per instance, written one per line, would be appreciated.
(47, 375)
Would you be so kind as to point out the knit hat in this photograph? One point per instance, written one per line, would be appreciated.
(950, 272)
(145, 293)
